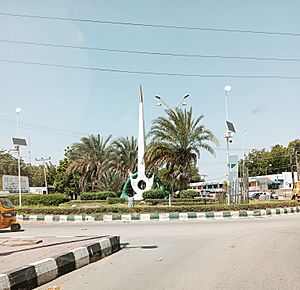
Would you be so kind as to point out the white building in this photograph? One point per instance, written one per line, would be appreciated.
(280, 183)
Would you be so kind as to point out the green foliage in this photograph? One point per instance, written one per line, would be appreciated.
(124, 156)
(115, 200)
(65, 182)
(154, 194)
(180, 201)
(39, 199)
(176, 143)
(103, 195)
(111, 181)
(89, 158)
(277, 160)
(9, 164)
(111, 209)
(188, 193)
(35, 175)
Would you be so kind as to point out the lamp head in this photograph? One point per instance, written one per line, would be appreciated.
(18, 110)
(158, 97)
(186, 96)
(227, 88)
(158, 104)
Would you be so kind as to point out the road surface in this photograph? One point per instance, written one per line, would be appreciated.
(260, 253)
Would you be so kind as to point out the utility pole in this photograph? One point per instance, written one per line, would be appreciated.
(44, 167)
(246, 182)
(297, 166)
(292, 170)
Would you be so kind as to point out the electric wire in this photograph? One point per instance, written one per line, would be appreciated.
(152, 53)
(11, 123)
(151, 25)
(154, 73)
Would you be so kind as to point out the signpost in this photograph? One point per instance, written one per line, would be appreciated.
(17, 142)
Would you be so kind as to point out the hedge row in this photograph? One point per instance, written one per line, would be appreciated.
(153, 209)
(154, 194)
(188, 193)
(39, 199)
(181, 201)
(102, 195)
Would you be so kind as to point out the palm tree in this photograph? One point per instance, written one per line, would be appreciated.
(111, 181)
(124, 156)
(176, 143)
(89, 157)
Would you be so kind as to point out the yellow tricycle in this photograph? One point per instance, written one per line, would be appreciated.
(8, 214)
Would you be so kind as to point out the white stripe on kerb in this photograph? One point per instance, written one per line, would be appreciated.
(164, 217)
(63, 218)
(4, 282)
(33, 218)
(273, 211)
(19, 217)
(183, 216)
(263, 212)
(201, 216)
(106, 248)
(89, 218)
(218, 215)
(77, 218)
(250, 213)
(82, 257)
(126, 217)
(48, 218)
(46, 270)
(145, 217)
(107, 218)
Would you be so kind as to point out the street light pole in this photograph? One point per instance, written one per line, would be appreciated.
(227, 89)
(18, 110)
(44, 168)
(244, 185)
(167, 107)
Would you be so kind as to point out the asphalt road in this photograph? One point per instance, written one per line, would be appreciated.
(261, 253)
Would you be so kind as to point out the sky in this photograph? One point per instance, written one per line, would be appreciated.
(60, 105)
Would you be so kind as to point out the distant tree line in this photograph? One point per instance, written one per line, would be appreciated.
(277, 160)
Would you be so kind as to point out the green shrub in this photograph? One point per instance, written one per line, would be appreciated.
(154, 194)
(188, 193)
(123, 209)
(40, 199)
(115, 200)
(102, 195)
(181, 201)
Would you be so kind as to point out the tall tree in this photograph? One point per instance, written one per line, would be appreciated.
(124, 156)
(90, 158)
(65, 182)
(177, 141)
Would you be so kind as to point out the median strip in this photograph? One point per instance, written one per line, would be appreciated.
(160, 216)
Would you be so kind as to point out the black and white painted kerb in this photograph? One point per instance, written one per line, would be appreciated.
(160, 216)
(44, 271)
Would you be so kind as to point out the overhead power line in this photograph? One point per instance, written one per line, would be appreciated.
(151, 25)
(152, 53)
(39, 128)
(155, 73)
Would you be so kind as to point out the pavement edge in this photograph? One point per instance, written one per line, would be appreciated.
(44, 271)
(161, 216)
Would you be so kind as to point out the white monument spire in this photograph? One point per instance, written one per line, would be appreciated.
(141, 182)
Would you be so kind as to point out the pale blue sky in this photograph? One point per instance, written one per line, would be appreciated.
(107, 103)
